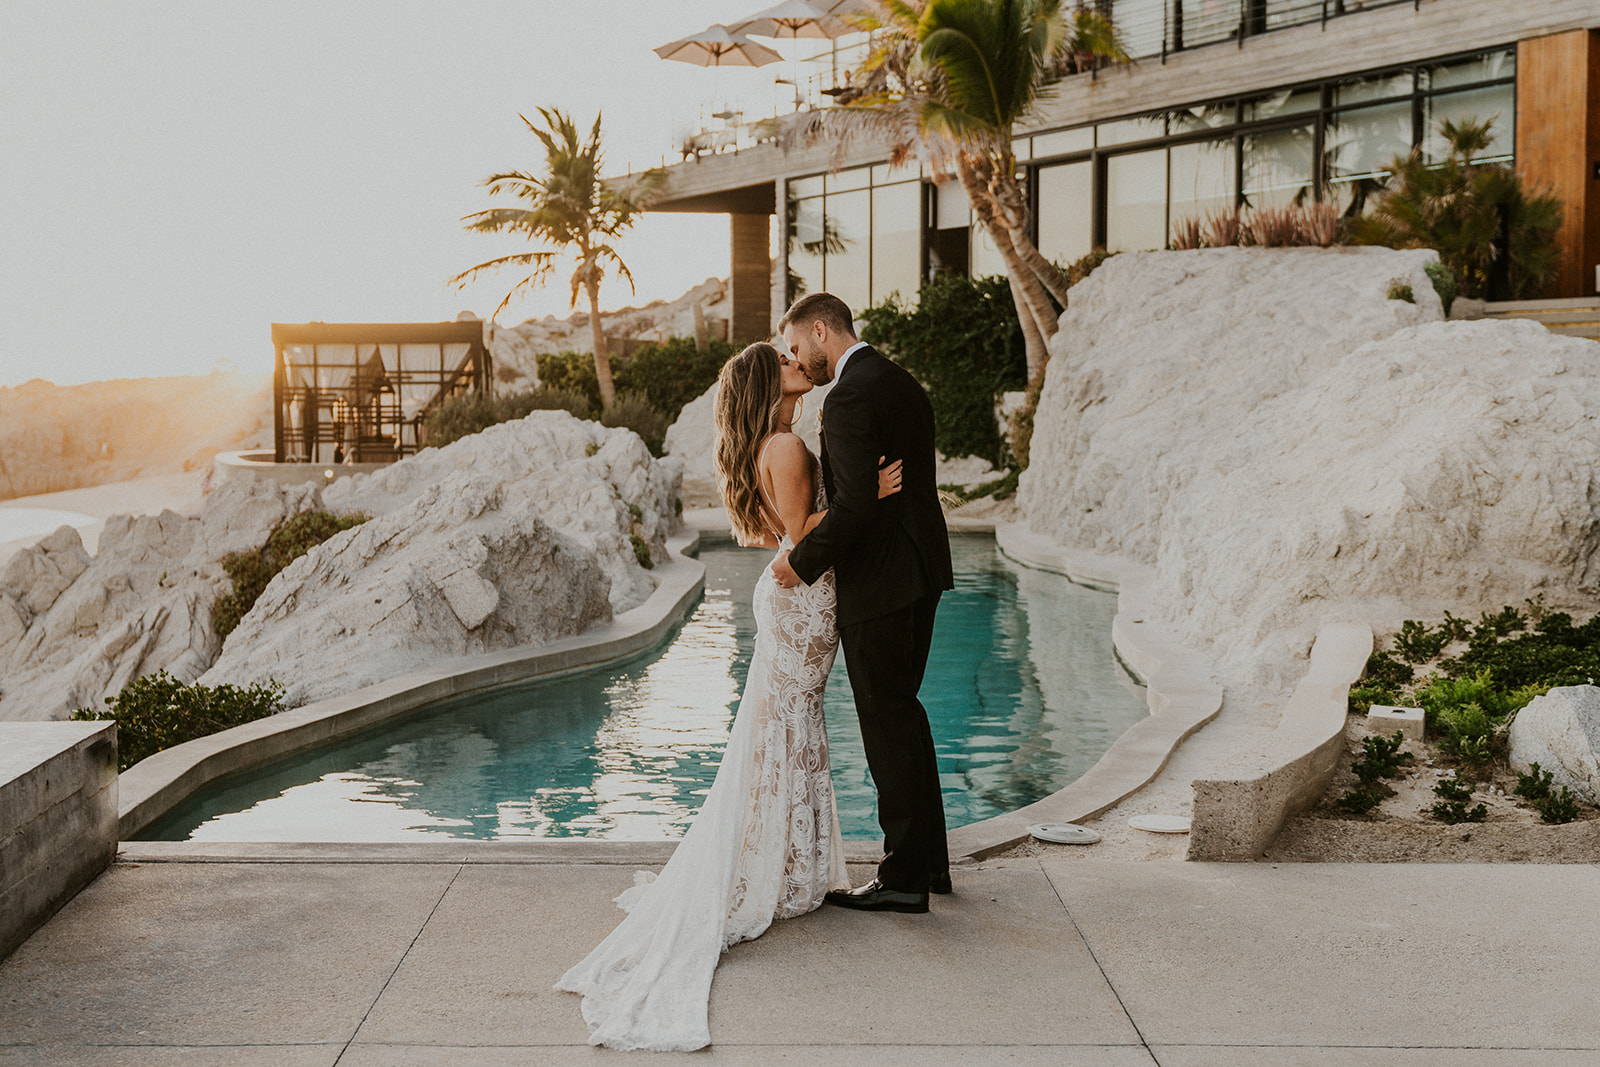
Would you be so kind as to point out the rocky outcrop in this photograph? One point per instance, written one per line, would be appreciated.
(523, 533)
(1560, 731)
(55, 437)
(528, 531)
(74, 628)
(1286, 446)
(516, 349)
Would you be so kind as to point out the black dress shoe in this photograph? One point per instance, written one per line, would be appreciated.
(939, 883)
(875, 896)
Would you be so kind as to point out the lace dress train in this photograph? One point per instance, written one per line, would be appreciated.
(765, 845)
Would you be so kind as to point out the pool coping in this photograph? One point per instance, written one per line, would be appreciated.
(1181, 695)
(159, 782)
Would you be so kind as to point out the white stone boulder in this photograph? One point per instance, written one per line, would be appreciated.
(520, 534)
(1287, 446)
(74, 628)
(1560, 731)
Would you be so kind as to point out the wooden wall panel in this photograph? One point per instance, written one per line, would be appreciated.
(1558, 143)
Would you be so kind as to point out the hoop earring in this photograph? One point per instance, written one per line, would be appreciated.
(799, 409)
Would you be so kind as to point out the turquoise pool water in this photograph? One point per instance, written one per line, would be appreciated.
(1023, 693)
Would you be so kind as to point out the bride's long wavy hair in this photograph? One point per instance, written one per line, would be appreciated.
(749, 399)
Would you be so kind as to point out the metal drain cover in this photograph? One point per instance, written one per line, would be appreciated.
(1064, 833)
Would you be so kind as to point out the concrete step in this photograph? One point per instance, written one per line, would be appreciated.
(1565, 317)
(1554, 304)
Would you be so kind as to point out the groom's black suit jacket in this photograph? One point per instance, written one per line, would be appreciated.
(887, 553)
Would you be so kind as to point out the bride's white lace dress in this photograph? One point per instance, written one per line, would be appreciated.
(765, 845)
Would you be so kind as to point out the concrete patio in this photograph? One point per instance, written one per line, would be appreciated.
(349, 955)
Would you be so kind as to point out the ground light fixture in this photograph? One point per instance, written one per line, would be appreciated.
(1063, 833)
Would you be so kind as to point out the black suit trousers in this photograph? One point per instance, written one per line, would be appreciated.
(886, 657)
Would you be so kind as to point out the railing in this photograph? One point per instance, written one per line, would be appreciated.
(1148, 29)
(1152, 28)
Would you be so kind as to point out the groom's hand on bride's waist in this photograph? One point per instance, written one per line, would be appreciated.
(784, 574)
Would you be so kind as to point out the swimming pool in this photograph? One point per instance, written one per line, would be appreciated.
(1023, 692)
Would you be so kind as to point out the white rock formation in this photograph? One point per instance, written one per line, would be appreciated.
(520, 534)
(516, 349)
(1286, 446)
(1560, 731)
(74, 629)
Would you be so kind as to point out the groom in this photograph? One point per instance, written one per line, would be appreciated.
(891, 560)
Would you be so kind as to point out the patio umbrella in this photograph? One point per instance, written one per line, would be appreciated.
(793, 18)
(716, 46)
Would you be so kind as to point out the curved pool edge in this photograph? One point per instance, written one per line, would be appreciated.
(1181, 691)
(156, 784)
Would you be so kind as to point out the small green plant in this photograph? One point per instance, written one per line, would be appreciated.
(1362, 697)
(251, 571)
(1361, 800)
(1455, 793)
(1381, 758)
(1557, 807)
(1534, 784)
(1418, 643)
(1444, 283)
(157, 711)
(591, 448)
(641, 552)
(1384, 669)
(1399, 290)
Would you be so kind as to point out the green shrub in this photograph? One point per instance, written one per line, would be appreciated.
(158, 711)
(1362, 697)
(469, 413)
(251, 571)
(1557, 807)
(1495, 237)
(641, 552)
(1085, 265)
(1534, 784)
(1455, 793)
(1401, 291)
(1381, 758)
(668, 374)
(963, 343)
(1361, 799)
(635, 412)
(1444, 283)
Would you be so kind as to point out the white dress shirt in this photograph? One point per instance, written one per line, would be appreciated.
(839, 370)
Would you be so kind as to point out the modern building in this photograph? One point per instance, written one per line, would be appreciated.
(1228, 102)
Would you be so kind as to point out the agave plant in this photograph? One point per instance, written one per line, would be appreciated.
(1496, 237)
(573, 209)
(949, 80)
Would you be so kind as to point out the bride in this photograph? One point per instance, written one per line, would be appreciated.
(766, 843)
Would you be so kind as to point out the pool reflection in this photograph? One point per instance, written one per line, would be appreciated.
(1022, 690)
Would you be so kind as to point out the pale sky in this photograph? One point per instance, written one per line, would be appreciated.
(175, 175)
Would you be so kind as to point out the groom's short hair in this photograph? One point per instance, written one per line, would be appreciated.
(824, 307)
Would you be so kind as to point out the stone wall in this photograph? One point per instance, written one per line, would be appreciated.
(58, 818)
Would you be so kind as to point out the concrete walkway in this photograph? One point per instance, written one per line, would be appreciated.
(1036, 960)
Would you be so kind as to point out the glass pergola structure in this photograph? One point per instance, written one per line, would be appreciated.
(346, 392)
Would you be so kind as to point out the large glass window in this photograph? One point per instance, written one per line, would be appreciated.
(1278, 166)
(1200, 179)
(1136, 200)
(1360, 145)
(1066, 210)
(847, 270)
(896, 240)
(1496, 102)
(807, 241)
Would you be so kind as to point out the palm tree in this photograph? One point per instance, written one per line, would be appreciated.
(952, 78)
(572, 208)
